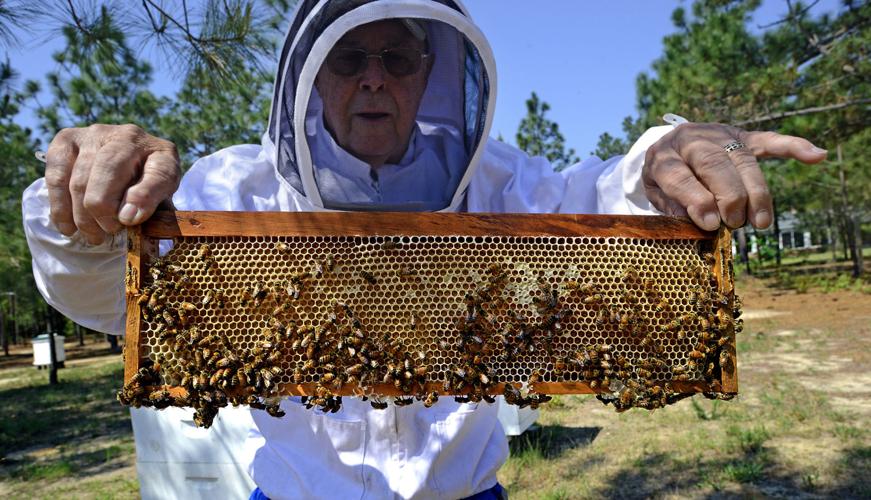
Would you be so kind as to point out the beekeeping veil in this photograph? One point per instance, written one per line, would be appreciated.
(457, 105)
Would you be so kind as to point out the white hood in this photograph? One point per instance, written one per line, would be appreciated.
(458, 102)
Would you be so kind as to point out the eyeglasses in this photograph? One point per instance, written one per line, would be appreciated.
(398, 62)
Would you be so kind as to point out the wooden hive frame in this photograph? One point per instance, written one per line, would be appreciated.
(143, 244)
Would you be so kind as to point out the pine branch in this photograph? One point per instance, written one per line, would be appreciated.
(800, 112)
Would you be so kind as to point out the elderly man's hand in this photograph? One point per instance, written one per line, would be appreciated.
(104, 177)
(689, 172)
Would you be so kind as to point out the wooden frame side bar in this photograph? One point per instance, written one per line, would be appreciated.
(724, 273)
(168, 224)
(140, 249)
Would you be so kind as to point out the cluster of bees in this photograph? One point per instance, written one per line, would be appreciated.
(628, 383)
(339, 355)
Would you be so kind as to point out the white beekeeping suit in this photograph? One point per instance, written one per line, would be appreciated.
(452, 450)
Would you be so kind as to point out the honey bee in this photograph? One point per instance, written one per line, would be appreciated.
(378, 404)
(594, 299)
(630, 275)
(726, 362)
(602, 317)
(708, 258)
(431, 399)
(663, 305)
(390, 245)
(204, 251)
(403, 401)
(282, 247)
(649, 286)
(355, 369)
(406, 272)
(258, 293)
(130, 277)
(627, 396)
(369, 277)
(674, 324)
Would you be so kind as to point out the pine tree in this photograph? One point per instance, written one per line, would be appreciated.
(539, 136)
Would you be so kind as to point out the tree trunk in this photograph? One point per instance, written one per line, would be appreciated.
(3, 338)
(851, 224)
(741, 237)
(113, 343)
(776, 232)
(859, 263)
(52, 369)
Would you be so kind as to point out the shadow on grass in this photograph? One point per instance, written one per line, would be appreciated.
(79, 464)
(551, 441)
(855, 471)
(751, 473)
(81, 407)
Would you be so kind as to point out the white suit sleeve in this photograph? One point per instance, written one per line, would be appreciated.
(619, 188)
(84, 282)
(508, 180)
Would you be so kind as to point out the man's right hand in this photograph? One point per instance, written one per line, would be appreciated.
(104, 177)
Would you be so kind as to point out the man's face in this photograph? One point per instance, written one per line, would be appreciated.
(372, 114)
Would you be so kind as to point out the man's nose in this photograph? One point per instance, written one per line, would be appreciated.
(373, 75)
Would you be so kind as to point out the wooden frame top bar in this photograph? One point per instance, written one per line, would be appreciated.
(169, 224)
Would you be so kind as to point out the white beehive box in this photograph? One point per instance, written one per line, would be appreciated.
(42, 350)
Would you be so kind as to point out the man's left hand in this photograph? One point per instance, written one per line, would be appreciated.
(689, 172)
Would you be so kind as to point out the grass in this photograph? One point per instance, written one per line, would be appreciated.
(748, 471)
(68, 440)
(816, 272)
(787, 434)
(747, 440)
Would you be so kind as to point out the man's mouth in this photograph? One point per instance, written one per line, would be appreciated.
(373, 115)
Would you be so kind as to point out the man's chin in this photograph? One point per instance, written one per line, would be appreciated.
(375, 157)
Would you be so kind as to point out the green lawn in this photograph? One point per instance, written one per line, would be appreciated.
(68, 440)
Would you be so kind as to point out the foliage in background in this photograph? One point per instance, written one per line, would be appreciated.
(223, 52)
(18, 168)
(801, 75)
(100, 81)
(540, 136)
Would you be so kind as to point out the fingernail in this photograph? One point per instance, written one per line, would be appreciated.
(66, 228)
(736, 219)
(128, 214)
(762, 219)
(712, 220)
(818, 151)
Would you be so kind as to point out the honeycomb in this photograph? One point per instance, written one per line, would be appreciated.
(416, 289)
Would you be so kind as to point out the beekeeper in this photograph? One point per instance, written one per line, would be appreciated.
(381, 105)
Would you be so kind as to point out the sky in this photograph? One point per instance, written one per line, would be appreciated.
(580, 56)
